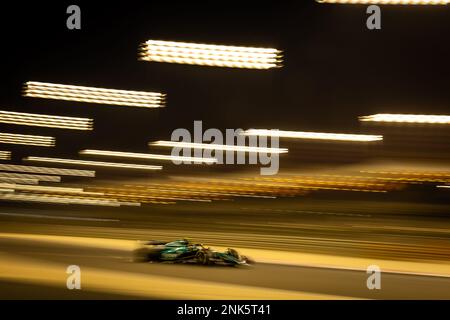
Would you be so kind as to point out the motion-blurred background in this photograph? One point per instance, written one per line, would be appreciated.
(335, 206)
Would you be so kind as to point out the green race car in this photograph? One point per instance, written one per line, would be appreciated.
(184, 251)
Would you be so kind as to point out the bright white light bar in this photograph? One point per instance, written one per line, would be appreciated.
(30, 176)
(94, 163)
(210, 55)
(401, 2)
(5, 155)
(42, 120)
(46, 170)
(407, 118)
(210, 146)
(313, 135)
(133, 155)
(41, 141)
(94, 95)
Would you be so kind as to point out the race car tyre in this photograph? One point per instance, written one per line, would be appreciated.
(202, 258)
(248, 260)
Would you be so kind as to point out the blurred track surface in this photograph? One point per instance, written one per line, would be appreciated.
(408, 236)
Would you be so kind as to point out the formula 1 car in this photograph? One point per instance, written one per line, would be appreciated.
(184, 251)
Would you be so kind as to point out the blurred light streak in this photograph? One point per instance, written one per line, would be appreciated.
(129, 204)
(24, 139)
(345, 189)
(207, 189)
(407, 118)
(45, 189)
(142, 196)
(316, 183)
(5, 155)
(154, 197)
(41, 120)
(133, 155)
(204, 191)
(47, 170)
(54, 199)
(148, 196)
(94, 163)
(401, 2)
(313, 135)
(410, 176)
(19, 180)
(445, 186)
(210, 55)
(77, 195)
(31, 176)
(94, 95)
(211, 146)
(44, 216)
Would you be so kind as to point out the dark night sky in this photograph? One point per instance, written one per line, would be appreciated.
(334, 70)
